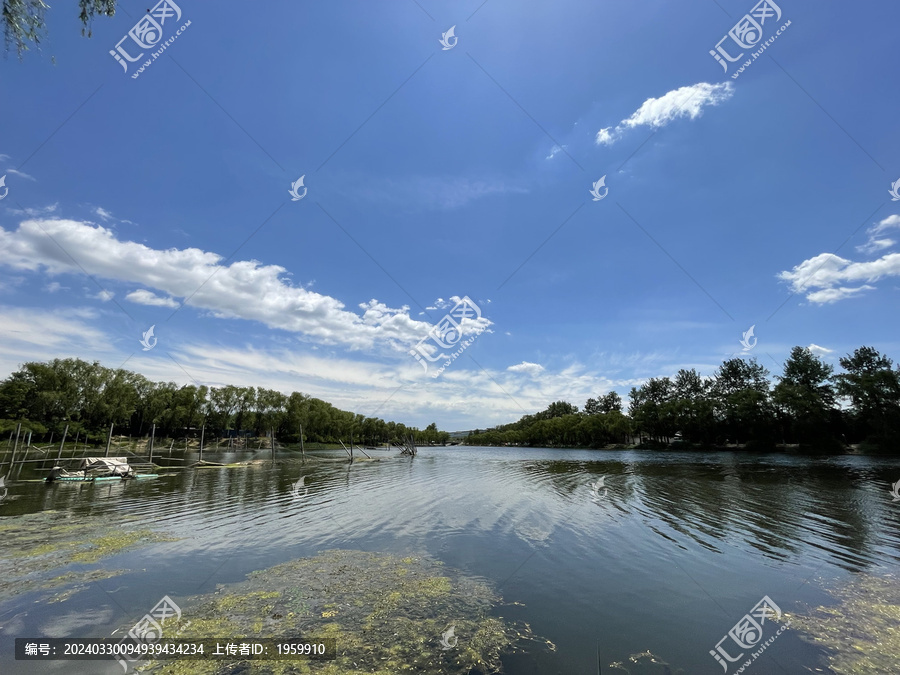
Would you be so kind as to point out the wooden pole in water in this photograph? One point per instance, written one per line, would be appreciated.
(272, 432)
(108, 440)
(8, 443)
(61, 445)
(171, 446)
(302, 451)
(21, 463)
(152, 438)
(12, 460)
(15, 448)
(202, 433)
(28, 444)
(345, 448)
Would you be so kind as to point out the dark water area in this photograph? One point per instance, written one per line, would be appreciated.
(666, 556)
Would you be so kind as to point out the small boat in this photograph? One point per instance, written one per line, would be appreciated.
(95, 479)
(93, 469)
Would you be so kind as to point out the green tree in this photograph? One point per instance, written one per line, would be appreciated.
(652, 410)
(872, 387)
(15, 394)
(805, 392)
(611, 402)
(743, 410)
(605, 404)
(692, 407)
(557, 409)
(223, 402)
(24, 20)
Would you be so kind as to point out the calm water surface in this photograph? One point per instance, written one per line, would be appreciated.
(674, 552)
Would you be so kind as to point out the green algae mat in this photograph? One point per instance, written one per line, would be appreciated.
(861, 633)
(35, 545)
(387, 614)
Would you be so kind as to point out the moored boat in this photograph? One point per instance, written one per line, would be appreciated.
(93, 479)
(94, 469)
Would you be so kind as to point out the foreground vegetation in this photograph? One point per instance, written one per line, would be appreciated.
(808, 405)
(386, 613)
(50, 551)
(862, 631)
(89, 397)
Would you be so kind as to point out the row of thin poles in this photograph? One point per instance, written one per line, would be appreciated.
(18, 433)
(24, 460)
(12, 460)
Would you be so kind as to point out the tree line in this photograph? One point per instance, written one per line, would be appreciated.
(89, 397)
(808, 405)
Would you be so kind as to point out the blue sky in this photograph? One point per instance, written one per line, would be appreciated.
(433, 174)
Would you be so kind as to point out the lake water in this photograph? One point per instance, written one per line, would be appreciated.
(668, 557)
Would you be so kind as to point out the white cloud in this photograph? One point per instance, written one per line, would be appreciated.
(820, 351)
(35, 212)
(103, 213)
(145, 297)
(658, 112)
(31, 334)
(244, 289)
(875, 243)
(16, 172)
(527, 368)
(555, 150)
(105, 296)
(886, 224)
(607, 136)
(828, 278)
(831, 295)
(462, 398)
(440, 303)
(55, 286)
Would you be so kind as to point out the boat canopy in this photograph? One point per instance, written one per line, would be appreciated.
(106, 466)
